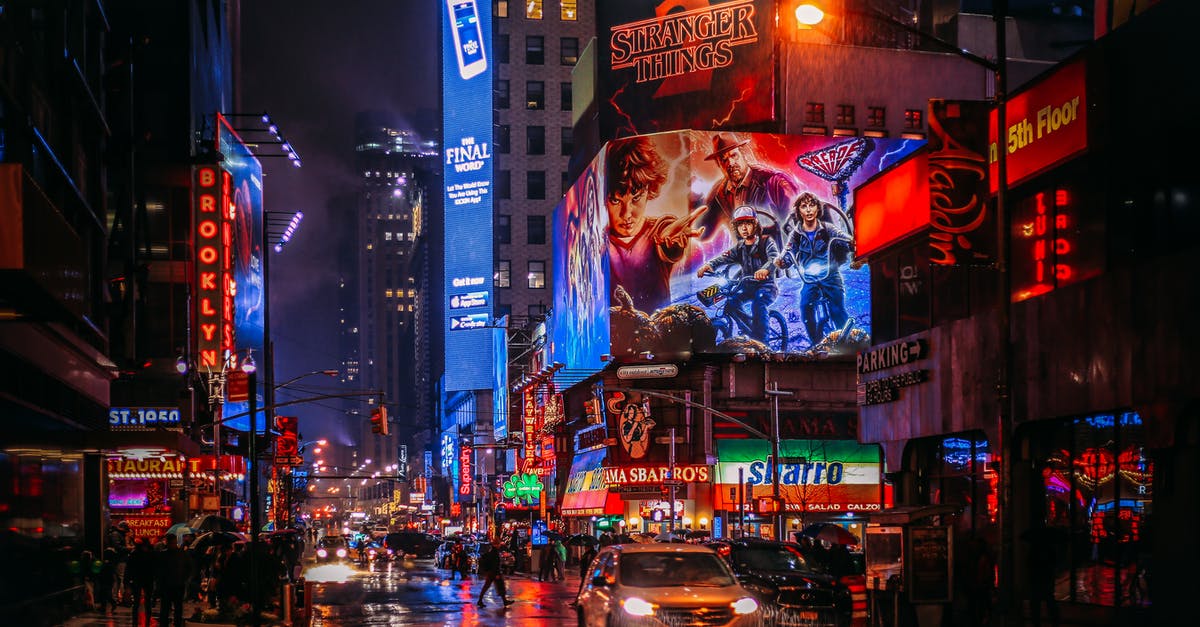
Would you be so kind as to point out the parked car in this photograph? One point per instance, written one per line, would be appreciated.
(793, 592)
(671, 584)
(332, 549)
(403, 543)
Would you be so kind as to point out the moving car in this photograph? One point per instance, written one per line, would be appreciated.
(792, 591)
(403, 543)
(664, 584)
(332, 549)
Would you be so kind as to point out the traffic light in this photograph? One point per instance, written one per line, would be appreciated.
(379, 422)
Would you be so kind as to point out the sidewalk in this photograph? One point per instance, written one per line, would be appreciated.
(123, 617)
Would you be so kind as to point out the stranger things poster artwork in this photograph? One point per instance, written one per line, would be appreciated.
(721, 242)
(657, 56)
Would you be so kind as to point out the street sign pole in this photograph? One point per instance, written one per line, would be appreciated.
(671, 465)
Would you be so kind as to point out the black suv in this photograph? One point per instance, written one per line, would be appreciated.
(411, 543)
(793, 592)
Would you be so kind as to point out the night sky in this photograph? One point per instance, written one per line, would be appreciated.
(312, 66)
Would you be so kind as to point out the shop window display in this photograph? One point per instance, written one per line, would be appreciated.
(1096, 490)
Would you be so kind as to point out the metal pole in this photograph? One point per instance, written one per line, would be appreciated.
(255, 593)
(741, 502)
(671, 466)
(774, 392)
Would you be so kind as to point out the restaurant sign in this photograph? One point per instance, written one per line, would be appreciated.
(633, 475)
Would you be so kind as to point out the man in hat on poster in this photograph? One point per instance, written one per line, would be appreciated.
(744, 184)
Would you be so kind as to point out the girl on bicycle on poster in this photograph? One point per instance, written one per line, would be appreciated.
(753, 254)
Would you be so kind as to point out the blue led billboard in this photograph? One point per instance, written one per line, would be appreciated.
(245, 199)
(467, 146)
(698, 242)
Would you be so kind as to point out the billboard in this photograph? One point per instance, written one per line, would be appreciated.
(657, 57)
(1044, 124)
(243, 197)
(467, 146)
(816, 476)
(649, 264)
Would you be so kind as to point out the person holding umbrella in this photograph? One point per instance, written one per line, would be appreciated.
(489, 569)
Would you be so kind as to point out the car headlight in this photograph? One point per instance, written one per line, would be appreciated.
(745, 605)
(322, 552)
(341, 552)
(638, 607)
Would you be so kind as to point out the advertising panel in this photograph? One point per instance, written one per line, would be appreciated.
(210, 231)
(679, 280)
(500, 380)
(467, 124)
(243, 300)
(816, 476)
(657, 57)
(964, 222)
(579, 318)
(1043, 125)
(892, 205)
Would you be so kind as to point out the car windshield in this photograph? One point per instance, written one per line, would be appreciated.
(769, 558)
(332, 541)
(655, 570)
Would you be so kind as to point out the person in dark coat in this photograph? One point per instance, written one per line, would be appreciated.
(174, 567)
(139, 579)
(106, 582)
(489, 569)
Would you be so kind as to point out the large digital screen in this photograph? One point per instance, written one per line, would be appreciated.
(467, 146)
(684, 64)
(702, 242)
(244, 198)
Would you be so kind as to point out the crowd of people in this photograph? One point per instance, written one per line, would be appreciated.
(172, 569)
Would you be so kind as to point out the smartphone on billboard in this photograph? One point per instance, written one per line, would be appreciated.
(468, 37)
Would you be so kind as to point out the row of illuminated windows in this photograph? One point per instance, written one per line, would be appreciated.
(535, 95)
(399, 293)
(400, 237)
(568, 10)
(535, 229)
(535, 50)
(535, 277)
(814, 113)
(535, 140)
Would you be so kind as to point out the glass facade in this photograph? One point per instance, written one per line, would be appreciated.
(1094, 487)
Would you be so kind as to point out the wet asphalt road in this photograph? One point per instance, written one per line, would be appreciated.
(413, 592)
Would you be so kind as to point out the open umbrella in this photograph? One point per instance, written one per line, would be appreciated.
(179, 530)
(212, 522)
(831, 533)
(698, 534)
(215, 538)
(622, 538)
(581, 539)
(679, 535)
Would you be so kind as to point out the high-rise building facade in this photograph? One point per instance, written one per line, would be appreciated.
(537, 45)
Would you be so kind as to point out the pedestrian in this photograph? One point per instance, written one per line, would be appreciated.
(1042, 568)
(106, 582)
(118, 540)
(981, 578)
(546, 563)
(139, 579)
(560, 561)
(585, 561)
(489, 569)
(174, 568)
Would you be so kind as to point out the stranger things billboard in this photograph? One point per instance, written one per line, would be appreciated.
(676, 64)
(648, 264)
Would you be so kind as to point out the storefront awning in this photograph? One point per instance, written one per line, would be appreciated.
(587, 494)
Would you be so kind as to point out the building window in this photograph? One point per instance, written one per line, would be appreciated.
(913, 119)
(567, 11)
(536, 279)
(503, 134)
(535, 140)
(535, 95)
(535, 50)
(845, 115)
(502, 94)
(564, 96)
(535, 227)
(877, 116)
(814, 113)
(566, 138)
(503, 276)
(504, 183)
(501, 51)
(501, 8)
(504, 229)
(568, 50)
(533, 9)
(535, 185)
